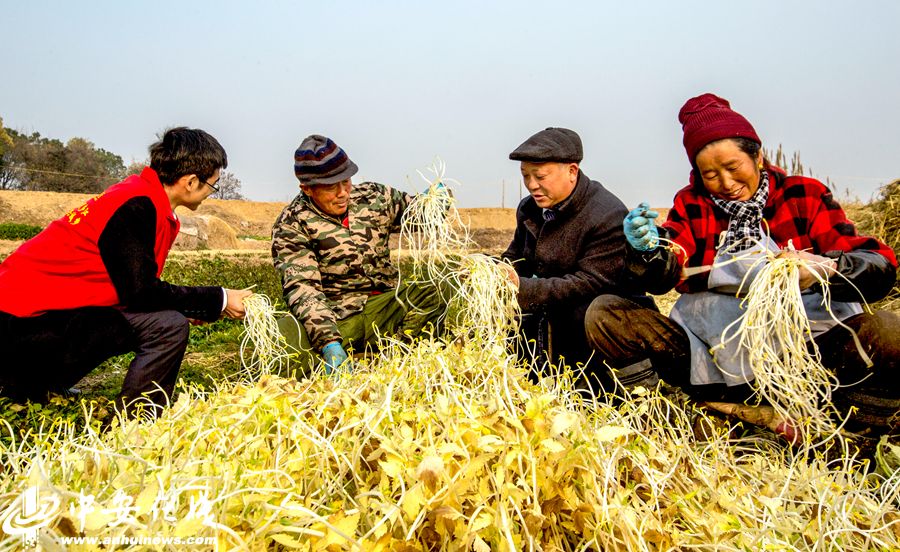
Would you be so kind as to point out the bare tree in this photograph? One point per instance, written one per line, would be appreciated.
(229, 187)
(135, 167)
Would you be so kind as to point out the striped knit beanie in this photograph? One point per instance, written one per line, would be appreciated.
(319, 160)
(708, 118)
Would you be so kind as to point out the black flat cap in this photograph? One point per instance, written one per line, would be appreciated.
(553, 144)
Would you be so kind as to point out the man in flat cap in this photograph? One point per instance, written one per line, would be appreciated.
(567, 249)
(330, 246)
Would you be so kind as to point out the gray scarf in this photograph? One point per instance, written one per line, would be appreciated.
(746, 217)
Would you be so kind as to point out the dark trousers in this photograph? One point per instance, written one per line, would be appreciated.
(419, 309)
(161, 339)
(53, 351)
(556, 337)
(624, 333)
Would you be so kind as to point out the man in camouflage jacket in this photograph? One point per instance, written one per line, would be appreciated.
(330, 246)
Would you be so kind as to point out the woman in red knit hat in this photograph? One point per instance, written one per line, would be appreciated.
(734, 192)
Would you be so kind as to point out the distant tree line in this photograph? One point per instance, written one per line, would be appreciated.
(33, 162)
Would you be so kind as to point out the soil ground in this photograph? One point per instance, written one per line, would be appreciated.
(491, 228)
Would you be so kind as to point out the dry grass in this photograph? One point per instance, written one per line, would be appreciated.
(881, 219)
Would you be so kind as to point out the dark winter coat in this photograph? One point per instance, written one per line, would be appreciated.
(568, 261)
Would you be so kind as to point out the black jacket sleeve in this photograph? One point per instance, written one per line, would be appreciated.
(864, 274)
(126, 247)
(516, 251)
(656, 271)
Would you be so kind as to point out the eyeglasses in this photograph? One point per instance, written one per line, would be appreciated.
(213, 185)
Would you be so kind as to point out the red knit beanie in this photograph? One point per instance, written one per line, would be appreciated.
(708, 118)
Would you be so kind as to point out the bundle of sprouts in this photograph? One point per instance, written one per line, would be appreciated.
(432, 232)
(435, 244)
(263, 349)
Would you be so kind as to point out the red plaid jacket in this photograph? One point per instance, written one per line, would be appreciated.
(799, 209)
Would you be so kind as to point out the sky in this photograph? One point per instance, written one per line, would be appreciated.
(399, 84)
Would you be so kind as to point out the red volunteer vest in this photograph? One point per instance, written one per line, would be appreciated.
(61, 268)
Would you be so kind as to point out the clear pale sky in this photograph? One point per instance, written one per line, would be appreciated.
(398, 83)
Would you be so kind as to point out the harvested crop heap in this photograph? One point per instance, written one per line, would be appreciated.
(882, 218)
(441, 444)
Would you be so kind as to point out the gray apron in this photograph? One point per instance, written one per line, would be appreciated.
(705, 315)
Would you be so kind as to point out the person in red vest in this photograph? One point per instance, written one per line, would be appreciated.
(88, 287)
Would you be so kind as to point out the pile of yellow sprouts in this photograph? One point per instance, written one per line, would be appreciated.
(438, 444)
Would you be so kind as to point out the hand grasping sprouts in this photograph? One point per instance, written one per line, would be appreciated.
(511, 274)
(234, 304)
(815, 268)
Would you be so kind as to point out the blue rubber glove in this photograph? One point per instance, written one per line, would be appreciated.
(640, 229)
(445, 194)
(334, 355)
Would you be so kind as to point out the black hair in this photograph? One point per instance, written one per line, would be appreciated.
(746, 145)
(183, 151)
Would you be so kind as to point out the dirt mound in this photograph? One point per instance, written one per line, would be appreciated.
(205, 232)
(37, 208)
(248, 218)
(489, 217)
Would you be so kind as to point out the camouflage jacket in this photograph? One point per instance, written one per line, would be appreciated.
(328, 271)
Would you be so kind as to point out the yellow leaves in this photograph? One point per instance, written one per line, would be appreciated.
(534, 523)
(535, 421)
(583, 516)
(406, 433)
(289, 541)
(442, 407)
(562, 422)
(482, 520)
(189, 527)
(725, 523)
(342, 524)
(382, 544)
(474, 465)
(430, 470)
(444, 519)
(412, 502)
(772, 504)
(97, 519)
(537, 405)
(611, 433)
(147, 498)
(660, 539)
(451, 449)
(552, 446)
(478, 545)
(490, 443)
(393, 466)
(339, 531)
